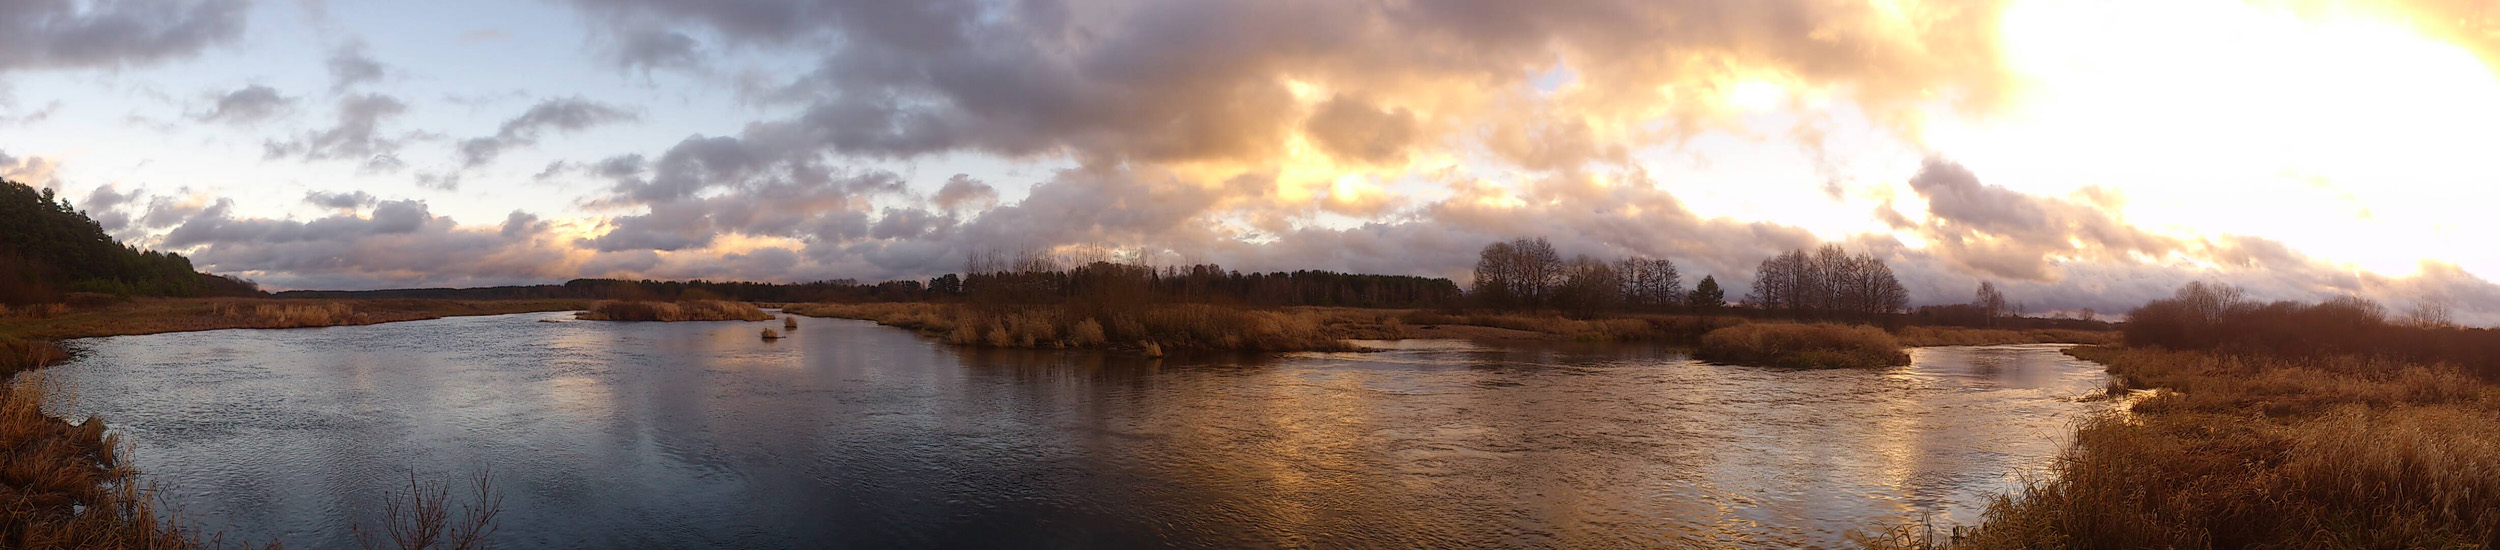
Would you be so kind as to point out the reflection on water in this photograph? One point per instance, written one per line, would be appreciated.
(850, 434)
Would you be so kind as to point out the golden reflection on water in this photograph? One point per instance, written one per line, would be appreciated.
(701, 434)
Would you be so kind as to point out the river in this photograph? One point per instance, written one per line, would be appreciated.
(849, 434)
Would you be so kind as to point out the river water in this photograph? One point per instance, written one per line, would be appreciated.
(848, 434)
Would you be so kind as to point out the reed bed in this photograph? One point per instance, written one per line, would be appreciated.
(1799, 345)
(1177, 326)
(2251, 451)
(689, 310)
(285, 315)
(19, 355)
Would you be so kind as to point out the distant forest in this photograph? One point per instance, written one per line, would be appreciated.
(1041, 284)
(48, 249)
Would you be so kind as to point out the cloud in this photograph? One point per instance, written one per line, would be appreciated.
(339, 201)
(250, 105)
(356, 136)
(397, 244)
(962, 191)
(32, 117)
(60, 34)
(646, 48)
(349, 66)
(1226, 80)
(564, 114)
(439, 181)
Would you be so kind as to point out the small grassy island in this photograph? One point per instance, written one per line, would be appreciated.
(1799, 345)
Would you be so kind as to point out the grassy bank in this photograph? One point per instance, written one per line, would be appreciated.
(690, 310)
(27, 333)
(1799, 345)
(2262, 451)
(63, 486)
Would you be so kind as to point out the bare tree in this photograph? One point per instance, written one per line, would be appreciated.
(1589, 287)
(1829, 283)
(2431, 312)
(1521, 273)
(1650, 284)
(1991, 303)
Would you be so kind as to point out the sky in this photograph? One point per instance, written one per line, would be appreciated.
(2080, 154)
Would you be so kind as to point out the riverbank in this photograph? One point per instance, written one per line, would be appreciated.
(26, 339)
(2259, 451)
(1200, 326)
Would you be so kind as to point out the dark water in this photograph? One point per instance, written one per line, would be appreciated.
(852, 435)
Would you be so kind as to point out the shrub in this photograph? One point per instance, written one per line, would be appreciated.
(1820, 345)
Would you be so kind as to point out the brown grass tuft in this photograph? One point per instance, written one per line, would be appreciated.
(691, 310)
(62, 485)
(2330, 452)
(1819, 346)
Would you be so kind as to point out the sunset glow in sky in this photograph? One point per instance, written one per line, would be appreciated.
(2082, 154)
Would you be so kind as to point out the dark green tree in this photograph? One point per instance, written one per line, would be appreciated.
(1706, 295)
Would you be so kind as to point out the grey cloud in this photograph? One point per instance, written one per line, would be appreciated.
(564, 114)
(522, 224)
(963, 191)
(2007, 234)
(399, 244)
(356, 136)
(439, 181)
(1204, 79)
(1351, 129)
(31, 117)
(553, 169)
(43, 34)
(104, 204)
(339, 201)
(647, 48)
(349, 66)
(811, 206)
(246, 106)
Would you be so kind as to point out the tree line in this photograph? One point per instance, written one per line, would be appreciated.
(48, 249)
(2207, 316)
(1828, 284)
(1527, 273)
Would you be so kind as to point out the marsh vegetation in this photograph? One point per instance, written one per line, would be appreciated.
(691, 310)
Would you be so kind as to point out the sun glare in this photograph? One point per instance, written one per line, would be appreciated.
(2339, 130)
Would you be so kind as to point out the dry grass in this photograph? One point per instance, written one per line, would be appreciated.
(161, 315)
(1799, 345)
(1178, 326)
(62, 485)
(17, 355)
(2262, 452)
(1917, 336)
(292, 315)
(690, 310)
